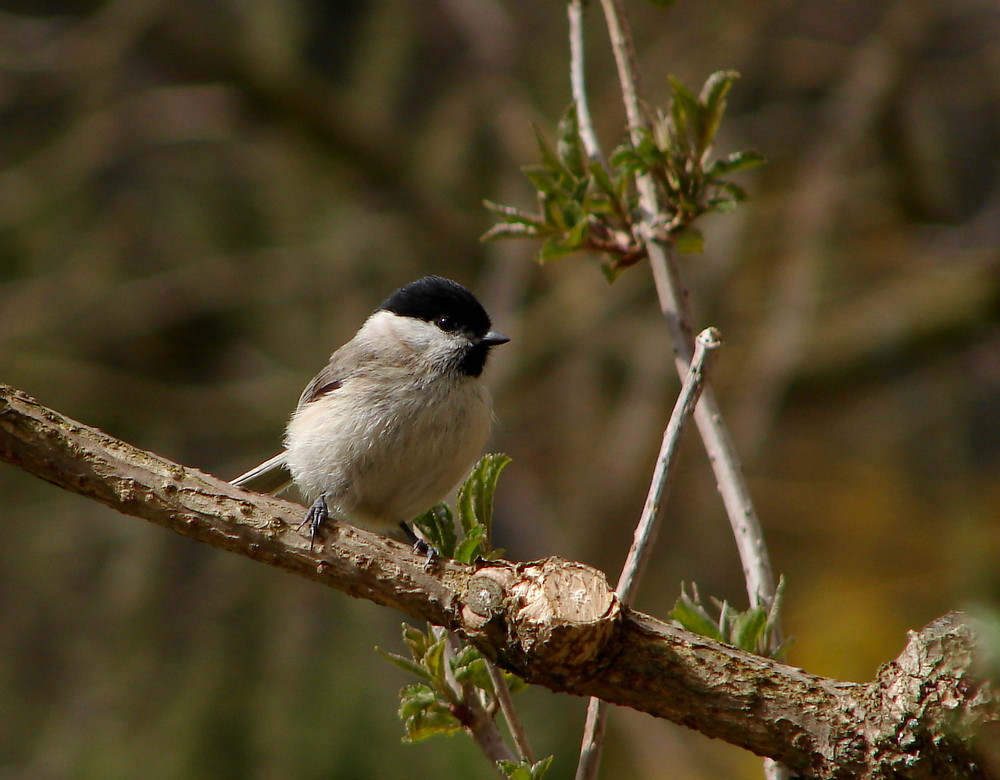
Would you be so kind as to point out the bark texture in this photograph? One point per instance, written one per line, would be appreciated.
(557, 623)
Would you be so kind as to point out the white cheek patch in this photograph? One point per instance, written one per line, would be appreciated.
(408, 338)
(384, 328)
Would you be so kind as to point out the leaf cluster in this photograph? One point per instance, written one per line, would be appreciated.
(587, 205)
(751, 630)
(582, 205)
(436, 704)
(525, 769)
(474, 506)
(448, 672)
(675, 150)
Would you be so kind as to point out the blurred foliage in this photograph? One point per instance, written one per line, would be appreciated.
(586, 204)
(525, 769)
(434, 706)
(199, 201)
(751, 629)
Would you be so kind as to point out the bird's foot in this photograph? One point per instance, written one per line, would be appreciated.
(420, 546)
(317, 515)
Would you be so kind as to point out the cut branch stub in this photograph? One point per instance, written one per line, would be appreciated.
(553, 612)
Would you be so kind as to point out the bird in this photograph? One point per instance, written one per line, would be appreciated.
(396, 417)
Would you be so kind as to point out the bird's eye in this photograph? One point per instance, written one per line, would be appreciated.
(447, 323)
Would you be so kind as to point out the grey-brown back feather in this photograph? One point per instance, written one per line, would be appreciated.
(351, 359)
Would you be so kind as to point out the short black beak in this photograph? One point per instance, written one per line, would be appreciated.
(493, 339)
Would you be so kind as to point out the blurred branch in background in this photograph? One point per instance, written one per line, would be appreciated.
(843, 127)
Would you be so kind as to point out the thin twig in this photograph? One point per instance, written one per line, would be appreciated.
(645, 533)
(621, 45)
(578, 81)
(672, 294)
(593, 740)
(477, 721)
(674, 305)
(502, 693)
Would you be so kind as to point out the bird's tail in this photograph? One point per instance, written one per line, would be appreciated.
(271, 476)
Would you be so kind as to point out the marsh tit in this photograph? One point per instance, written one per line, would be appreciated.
(396, 417)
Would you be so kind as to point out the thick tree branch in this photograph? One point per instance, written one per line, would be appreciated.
(555, 622)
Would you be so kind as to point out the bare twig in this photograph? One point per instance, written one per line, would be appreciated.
(477, 721)
(672, 294)
(578, 81)
(674, 305)
(621, 46)
(480, 723)
(482, 728)
(645, 533)
(514, 723)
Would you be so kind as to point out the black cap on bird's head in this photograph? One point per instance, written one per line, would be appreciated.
(452, 308)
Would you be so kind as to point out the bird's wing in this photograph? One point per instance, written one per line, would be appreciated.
(271, 476)
(345, 363)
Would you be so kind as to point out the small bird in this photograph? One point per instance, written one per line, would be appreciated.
(396, 417)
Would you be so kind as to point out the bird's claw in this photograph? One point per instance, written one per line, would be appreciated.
(317, 515)
(429, 551)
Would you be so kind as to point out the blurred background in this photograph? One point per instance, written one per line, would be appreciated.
(199, 201)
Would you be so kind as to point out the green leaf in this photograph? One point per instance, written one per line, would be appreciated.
(424, 715)
(578, 235)
(717, 87)
(736, 193)
(685, 113)
(540, 179)
(433, 659)
(748, 629)
(513, 215)
(722, 205)
(661, 3)
(713, 100)
(405, 664)
(515, 684)
(468, 666)
(475, 496)
(601, 179)
(416, 640)
(475, 672)
(550, 160)
(737, 161)
(474, 544)
(577, 197)
(428, 651)
(503, 230)
(689, 241)
(693, 617)
(524, 769)
(438, 528)
(553, 211)
(612, 269)
(569, 145)
(624, 156)
(553, 249)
